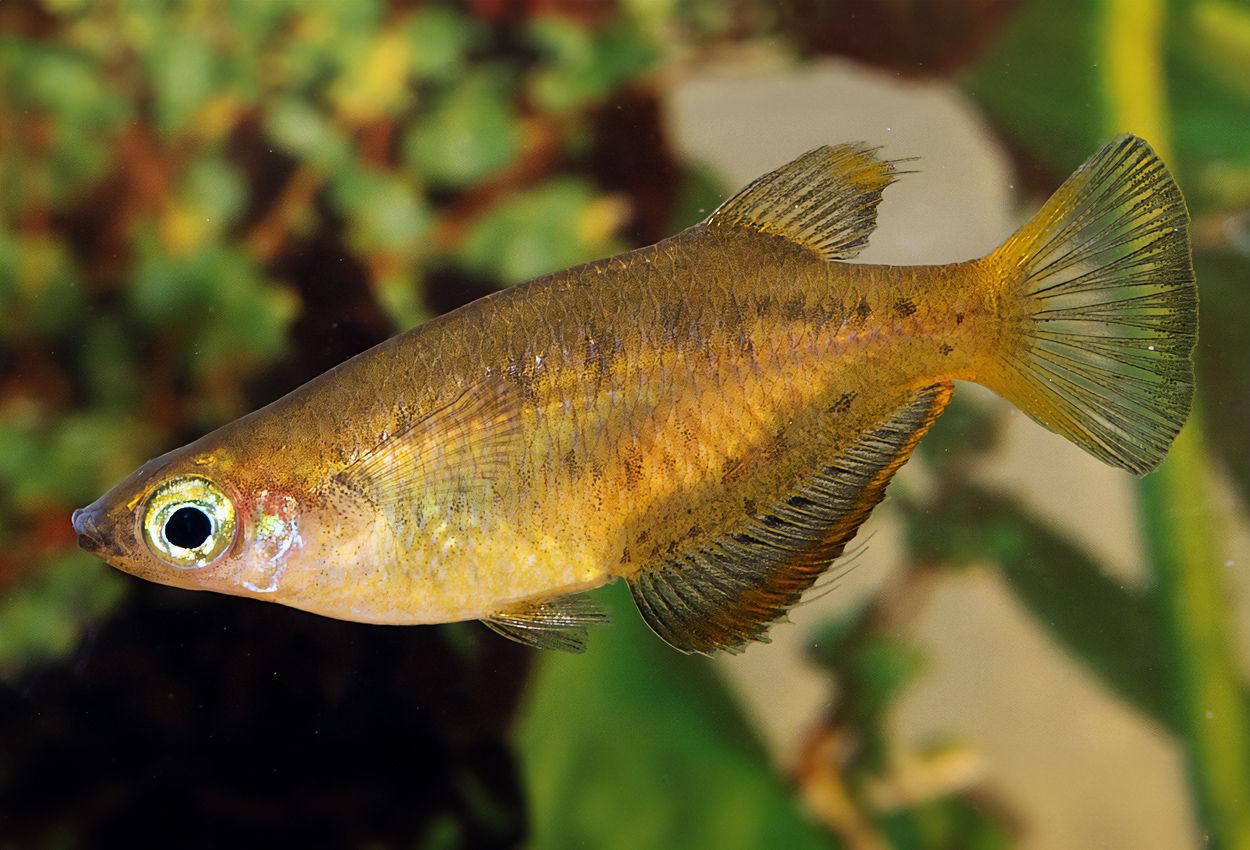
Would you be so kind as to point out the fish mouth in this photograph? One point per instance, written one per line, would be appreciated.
(89, 537)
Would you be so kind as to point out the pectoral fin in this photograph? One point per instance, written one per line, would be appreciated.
(456, 452)
(723, 591)
(556, 623)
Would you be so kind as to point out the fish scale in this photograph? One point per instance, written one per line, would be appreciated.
(710, 418)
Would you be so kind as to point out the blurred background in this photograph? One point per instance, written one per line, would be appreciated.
(204, 204)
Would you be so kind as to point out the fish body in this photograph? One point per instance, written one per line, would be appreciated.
(711, 417)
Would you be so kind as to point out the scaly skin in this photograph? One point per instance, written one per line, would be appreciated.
(710, 418)
(659, 396)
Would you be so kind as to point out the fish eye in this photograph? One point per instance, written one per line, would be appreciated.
(188, 527)
(189, 522)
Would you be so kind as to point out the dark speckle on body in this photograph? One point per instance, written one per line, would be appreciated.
(904, 307)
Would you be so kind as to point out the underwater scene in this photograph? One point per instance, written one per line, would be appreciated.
(681, 424)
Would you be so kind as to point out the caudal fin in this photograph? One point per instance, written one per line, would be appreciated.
(1110, 308)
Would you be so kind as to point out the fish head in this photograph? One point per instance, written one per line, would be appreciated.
(193, 518)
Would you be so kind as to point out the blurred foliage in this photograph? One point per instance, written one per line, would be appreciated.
(1113, 629)
(202, 205)
(633, 726)
(46, 615)
(1177, 74)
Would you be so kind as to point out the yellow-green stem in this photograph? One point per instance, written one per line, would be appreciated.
(1182, 526)
(1178, 512)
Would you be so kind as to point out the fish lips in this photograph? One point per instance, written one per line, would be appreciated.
(86, 522)
(99, 535)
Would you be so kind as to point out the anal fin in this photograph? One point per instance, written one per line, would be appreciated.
(559, 622)
(724, 590)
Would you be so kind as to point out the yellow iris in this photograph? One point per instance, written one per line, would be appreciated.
(189, 522)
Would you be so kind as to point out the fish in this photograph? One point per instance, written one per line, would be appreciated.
(710, 418)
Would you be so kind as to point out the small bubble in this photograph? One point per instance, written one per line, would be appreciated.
(1210, 715)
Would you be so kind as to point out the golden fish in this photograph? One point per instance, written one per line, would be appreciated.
(710, 418)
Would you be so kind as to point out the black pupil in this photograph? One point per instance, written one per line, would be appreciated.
(188, 528)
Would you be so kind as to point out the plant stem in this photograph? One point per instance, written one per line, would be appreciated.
(1178, 513)
(1181, 531)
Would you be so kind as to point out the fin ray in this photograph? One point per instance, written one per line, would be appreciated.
(454, 452)
(724, 590)
(1110, 309)
(560, 622)
(826, 200)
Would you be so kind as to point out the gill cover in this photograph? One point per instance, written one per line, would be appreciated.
(189, 522)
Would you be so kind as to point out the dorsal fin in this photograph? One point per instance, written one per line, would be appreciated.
(458, 450)
(825, 200)
(723, 591)
(559, 622)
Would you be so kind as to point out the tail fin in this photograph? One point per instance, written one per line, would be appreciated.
(1110, 308)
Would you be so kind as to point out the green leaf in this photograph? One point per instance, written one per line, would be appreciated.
(878, 671)
(400, 295)
(383, 210)
(49, 463)
(47, 79)
(166, 290)
(872, 669)
(581, 65)
(440, 37)
(701, 193)
(21, 459)
(1060, 111)
(832, 643)
(57, 78)
(217, 299)
(1113, 630)
(469, 134)
(248, 315)
(52, 284)
(1055, 109)
(635, 728)
(325, 42)
(214, 188)
(40, 286)
(1207, 687)
(1218, 34)
(307, 134)
(964, 430)
(884, 666)
(535, 232)
(183, 73)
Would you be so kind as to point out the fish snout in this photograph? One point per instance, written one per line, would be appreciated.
(89, 537)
